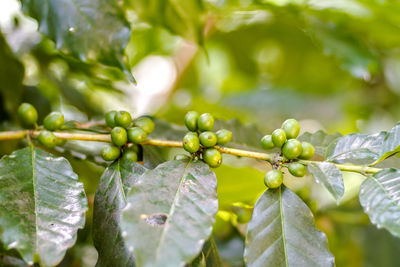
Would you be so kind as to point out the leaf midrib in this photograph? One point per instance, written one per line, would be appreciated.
(171, 211)
(36, 245)
(283, 227)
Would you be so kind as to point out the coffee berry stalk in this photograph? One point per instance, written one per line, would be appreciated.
(290, 148)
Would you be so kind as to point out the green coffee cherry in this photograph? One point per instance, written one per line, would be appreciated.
(191, 120)
(308, 150)
(212, 157)
(136, 135)
(53, 121)
(133, 147)
(119, 136)
(266, 142)
(110, 118)
(223, 137)
(208, 139)
(278, 137)
(205, 122)
(47, 139)
(181, 157)
(297, 169)
(273, 179)
(61, 142)
(145, 123)
(291, 128)
(110, 153)
(123, 119)
(292, 149)
(27, 114)
(191, 142)
(130, 155)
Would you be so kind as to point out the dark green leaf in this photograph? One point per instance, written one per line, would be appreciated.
(320, 140)
(356, 148)
(181, 17)
(11, 75)
(380, 198)
(211, 254)
(42, 205)
(109, 201)
(282, 233)
(153, 156)
(170, 213)
(329, 176)
(87, 30)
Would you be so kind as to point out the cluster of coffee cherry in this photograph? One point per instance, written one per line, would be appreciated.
(125, 129)
(200, 141)
(291, 149)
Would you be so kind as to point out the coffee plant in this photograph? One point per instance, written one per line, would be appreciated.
(164, 216)
(116, 148)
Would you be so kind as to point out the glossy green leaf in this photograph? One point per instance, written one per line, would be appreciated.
(282, 233)
(320, 140)
(181, 17)
(170, 213)
(42, 205)
(356, 148)
(390, 144)
(380, 198)
(209, 256)
(109, 201)
(329, 176)
(87, 30)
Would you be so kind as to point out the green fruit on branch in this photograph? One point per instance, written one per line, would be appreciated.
(119, 136)
(123, 119)
(136, 135)
(110, 118)
(110, 153)
(53, 121)
(291, 128)
(181, 157)
(27, 114)
(273, 179)
(266, 142)
(205, 122)
(145, 123)
(297, 169)
(212, 157)
(278, 137)
(208, 139)
(47, 139)
(130, 155)
(191, 142)
(191, 120)
(223, 137)
(308, 150)
(292, 149)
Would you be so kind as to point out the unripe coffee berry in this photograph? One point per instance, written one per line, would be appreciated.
(191, 142)
(292, 149)
(266, 142)
(136, 135)
(191, 120)
(53, 121)
(223, 137)
(119, 136)
(123, 119)
(212, 157)
(308, 150)
(145, 123)
(297, 169)
(47, 139)
(278, 137)
(273, 179)
(27, 114)
(208, 139)
(291, 128)
(110, 153)
(130, 155)
(110, 118)
(205, 122)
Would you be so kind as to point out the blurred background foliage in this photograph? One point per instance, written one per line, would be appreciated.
(334, 65)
